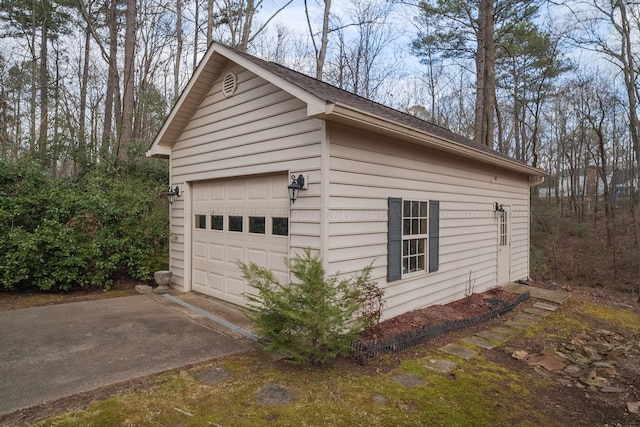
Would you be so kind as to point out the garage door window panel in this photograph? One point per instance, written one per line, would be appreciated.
(235, 223)
(217, 222)
(280, 226)
(200, 221)
(257, 224)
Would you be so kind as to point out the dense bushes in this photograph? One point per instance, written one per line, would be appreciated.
(63, 233)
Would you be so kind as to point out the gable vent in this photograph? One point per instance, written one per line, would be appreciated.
(229, 84)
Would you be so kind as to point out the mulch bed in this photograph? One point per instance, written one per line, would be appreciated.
(412, 328)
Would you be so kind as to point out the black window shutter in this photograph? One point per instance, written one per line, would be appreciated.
(394, 239)
(434, 235)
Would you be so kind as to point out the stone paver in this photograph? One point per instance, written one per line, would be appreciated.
(504, 331)
(492, 336)
(444, 366)
(490, 339)
(549, 295)
(212, 376)
(514, 324)
(409, 380)
(456, 350)
(545, 306)
(276, 395)
(522, 317)
(478, 342)
(380, 399)
(537, 311)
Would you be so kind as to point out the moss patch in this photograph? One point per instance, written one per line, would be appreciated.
(477, 393)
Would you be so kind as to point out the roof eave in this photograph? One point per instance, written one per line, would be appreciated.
(426, 139)
(161, 151)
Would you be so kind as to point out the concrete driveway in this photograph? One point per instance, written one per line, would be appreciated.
(47, 353)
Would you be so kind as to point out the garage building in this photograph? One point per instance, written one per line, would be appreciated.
(434, 212)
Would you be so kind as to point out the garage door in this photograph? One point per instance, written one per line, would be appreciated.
(244, 219)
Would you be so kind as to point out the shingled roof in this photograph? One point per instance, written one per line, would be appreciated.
(317, 92)
(332, 94)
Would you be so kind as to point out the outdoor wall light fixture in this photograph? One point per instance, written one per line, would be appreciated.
(499, 207)
(297, 184)
(173, 193)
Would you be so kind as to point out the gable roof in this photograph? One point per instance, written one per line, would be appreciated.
(327, 102)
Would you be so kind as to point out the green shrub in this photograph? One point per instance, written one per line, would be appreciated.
(63, 233)
(315, 318)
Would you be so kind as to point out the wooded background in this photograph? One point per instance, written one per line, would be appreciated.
(86, 84)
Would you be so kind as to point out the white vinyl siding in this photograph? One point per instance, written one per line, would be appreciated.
(365, 170)
(259, 130)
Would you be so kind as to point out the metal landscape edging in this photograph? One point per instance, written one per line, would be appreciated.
(364, 351)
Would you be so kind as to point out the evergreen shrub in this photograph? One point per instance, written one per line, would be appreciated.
(314, 318)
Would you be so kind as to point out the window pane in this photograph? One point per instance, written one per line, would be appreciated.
(405, 247)
(256, 224)
(415, 206)
(280, 226)
(405, 265)
(424, 209)
(414, 227)
(421, 246)
(412, 264)
(421, 262)
(406, 210)
(201, 221)
(216, 222)
(406, 227)
(423, 226)
(235, 223)
(414, 247)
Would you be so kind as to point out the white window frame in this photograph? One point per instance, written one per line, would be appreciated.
(503, 229)
(418, 233)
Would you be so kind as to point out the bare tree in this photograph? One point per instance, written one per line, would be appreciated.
(320, 47)
(360, 65)
(128, 94)
(178, 52)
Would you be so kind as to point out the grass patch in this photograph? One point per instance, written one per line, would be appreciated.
(478, 393)
(614, 316)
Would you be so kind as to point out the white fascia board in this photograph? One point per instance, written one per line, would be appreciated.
(158, 151)
(178, 106)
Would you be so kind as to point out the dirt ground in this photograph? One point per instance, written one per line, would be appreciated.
(551, 392)
(15, 300)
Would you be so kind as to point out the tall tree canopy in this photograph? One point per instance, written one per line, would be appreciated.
(470, 30)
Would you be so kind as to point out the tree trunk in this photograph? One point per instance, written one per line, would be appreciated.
(322, 53)
(248, 22)
(485, 72)
(34, 79)
(178, 53)
(81, 154)
(112, 82)
(126, 136)
(209, 22)
(196, 33)
(44, 89)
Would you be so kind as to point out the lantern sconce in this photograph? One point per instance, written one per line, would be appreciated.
(173, 193)
(499, 207)
(297, 183)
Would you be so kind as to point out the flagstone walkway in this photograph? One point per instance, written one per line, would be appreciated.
(488, 339)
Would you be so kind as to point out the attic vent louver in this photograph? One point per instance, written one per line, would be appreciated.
(229, 84)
